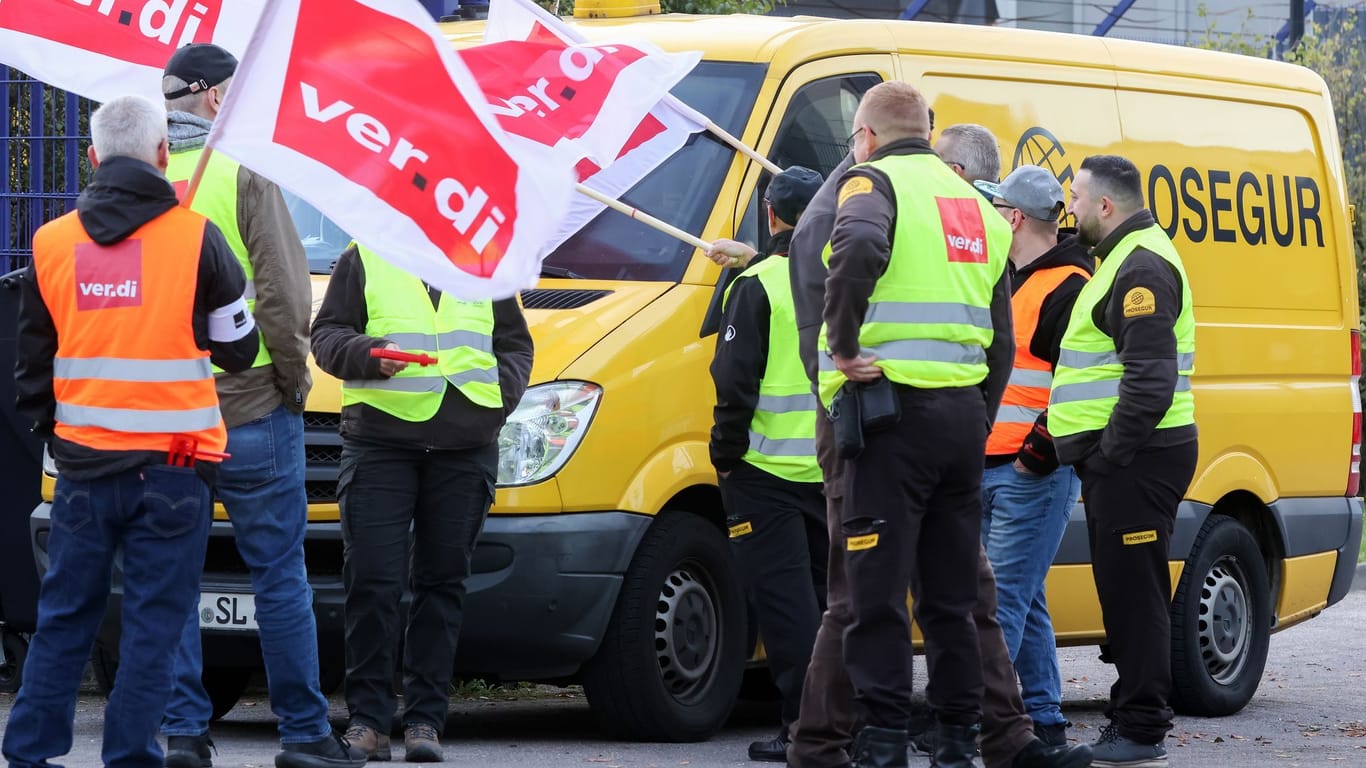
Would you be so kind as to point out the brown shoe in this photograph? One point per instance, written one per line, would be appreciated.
(374, 744)
(420, 744)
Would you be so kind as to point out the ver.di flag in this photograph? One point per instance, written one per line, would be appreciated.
(106, 48)
(650, 142)
(363, 109)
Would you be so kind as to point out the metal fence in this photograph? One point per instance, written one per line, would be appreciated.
(42, 159)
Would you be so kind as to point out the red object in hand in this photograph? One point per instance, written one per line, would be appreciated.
(406, 357)
(185, 450)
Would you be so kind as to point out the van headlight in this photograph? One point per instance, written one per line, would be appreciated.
(541, 435)
(49, 463)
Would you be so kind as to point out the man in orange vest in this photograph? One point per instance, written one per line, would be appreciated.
(127, 302)
(1027, 498)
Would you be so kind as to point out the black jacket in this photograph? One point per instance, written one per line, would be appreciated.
(1037, 452)
(1146, 345)
(861, 245)
(342, 349)
(806, 268)
(741, 356)
(123, 195)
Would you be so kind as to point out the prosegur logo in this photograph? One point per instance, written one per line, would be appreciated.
(141, 31)
(108, 276)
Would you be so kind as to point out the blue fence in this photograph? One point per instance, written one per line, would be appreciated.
(42, 159)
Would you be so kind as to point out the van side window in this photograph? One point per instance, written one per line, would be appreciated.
(818, 122)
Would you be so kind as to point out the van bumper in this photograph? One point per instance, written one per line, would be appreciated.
(1347, 554)
(539, 597)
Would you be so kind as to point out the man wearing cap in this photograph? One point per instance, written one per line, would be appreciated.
(1027, 498)
(763, 448)
(262, 484)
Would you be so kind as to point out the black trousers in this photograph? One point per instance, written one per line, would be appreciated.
(913, 514)
(779, 539)
(444, 497)
(1130, 512)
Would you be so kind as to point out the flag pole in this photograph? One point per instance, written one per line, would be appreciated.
(198, 174)
(739, 146)
(644, 218)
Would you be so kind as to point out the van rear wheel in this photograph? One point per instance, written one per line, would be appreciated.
(1221, 622)
(670, 664)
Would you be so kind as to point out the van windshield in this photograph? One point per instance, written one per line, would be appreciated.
(681, 191)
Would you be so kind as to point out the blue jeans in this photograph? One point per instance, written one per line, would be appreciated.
(1023, 519)
(159, 517)
(262, 487)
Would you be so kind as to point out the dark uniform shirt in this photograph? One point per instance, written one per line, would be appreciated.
(740, 360)
(1146, 345)
(862, 245)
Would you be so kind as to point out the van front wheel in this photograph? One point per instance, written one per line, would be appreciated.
(1221, 622)
(670, 664)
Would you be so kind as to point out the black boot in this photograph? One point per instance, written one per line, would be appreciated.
(880, 748)
(956, 747)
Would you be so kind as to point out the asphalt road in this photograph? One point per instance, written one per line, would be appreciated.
(1309, 711)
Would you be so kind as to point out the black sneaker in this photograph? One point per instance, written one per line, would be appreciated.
(1115, 751)
(773, 750)
(189, 751)
(1054, 735)
(1037, 754)
(331, 751)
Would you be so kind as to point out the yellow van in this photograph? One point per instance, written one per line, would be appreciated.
(605, 562)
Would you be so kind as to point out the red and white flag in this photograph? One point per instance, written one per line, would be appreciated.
(363, 109)
(650, 141)
(586, 99)
(106, 48)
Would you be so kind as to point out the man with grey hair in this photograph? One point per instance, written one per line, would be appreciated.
(127, 302)
(971, 151)
(262, 484)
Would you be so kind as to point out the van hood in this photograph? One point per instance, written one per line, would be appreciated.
(566, 317)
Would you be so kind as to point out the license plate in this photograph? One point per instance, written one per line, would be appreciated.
(227, 611)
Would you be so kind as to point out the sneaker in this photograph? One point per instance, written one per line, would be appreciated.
(1037, 754)
(421, 744)
(925, 740)
(189, 751)
(331, 751)
(371, 743)
(1054, 735)
(773, 750)
(1112, 750)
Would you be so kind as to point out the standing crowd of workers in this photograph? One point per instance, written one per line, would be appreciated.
(913, 385)
(958, 373)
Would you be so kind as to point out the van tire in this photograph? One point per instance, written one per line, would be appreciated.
(225, 685)
(648, 685)
(1221, 622)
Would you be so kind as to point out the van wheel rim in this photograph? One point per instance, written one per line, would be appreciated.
(686, 635)
(1225, 621)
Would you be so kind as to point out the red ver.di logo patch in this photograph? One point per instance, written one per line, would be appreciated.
(109, 276)
(964, 233)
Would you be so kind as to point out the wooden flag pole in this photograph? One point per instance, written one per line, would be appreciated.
(198, 174)
(739, 146)
(644, 218)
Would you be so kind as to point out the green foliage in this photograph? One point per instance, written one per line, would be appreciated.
(566, 7)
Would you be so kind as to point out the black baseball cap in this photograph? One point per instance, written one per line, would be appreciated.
(202, 65)
(790, 192)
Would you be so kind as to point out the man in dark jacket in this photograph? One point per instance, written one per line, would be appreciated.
(762, 445)
(262, 484)
(1122, 412)
(1027, 498)
(419, 449)
(128, 301)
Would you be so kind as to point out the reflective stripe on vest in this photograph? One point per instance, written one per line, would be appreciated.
(1086, 381)
(782, 434)
(216, 199)
(459, 334)
(118, 386)
(1026, 393)
(929, 316)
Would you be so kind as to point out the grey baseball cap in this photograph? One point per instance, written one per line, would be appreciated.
(1032, 189)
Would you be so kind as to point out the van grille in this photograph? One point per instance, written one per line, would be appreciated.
(322, 453)
(559, 298)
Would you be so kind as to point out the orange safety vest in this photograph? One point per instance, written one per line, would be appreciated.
(128, 375)
(1026, 395)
